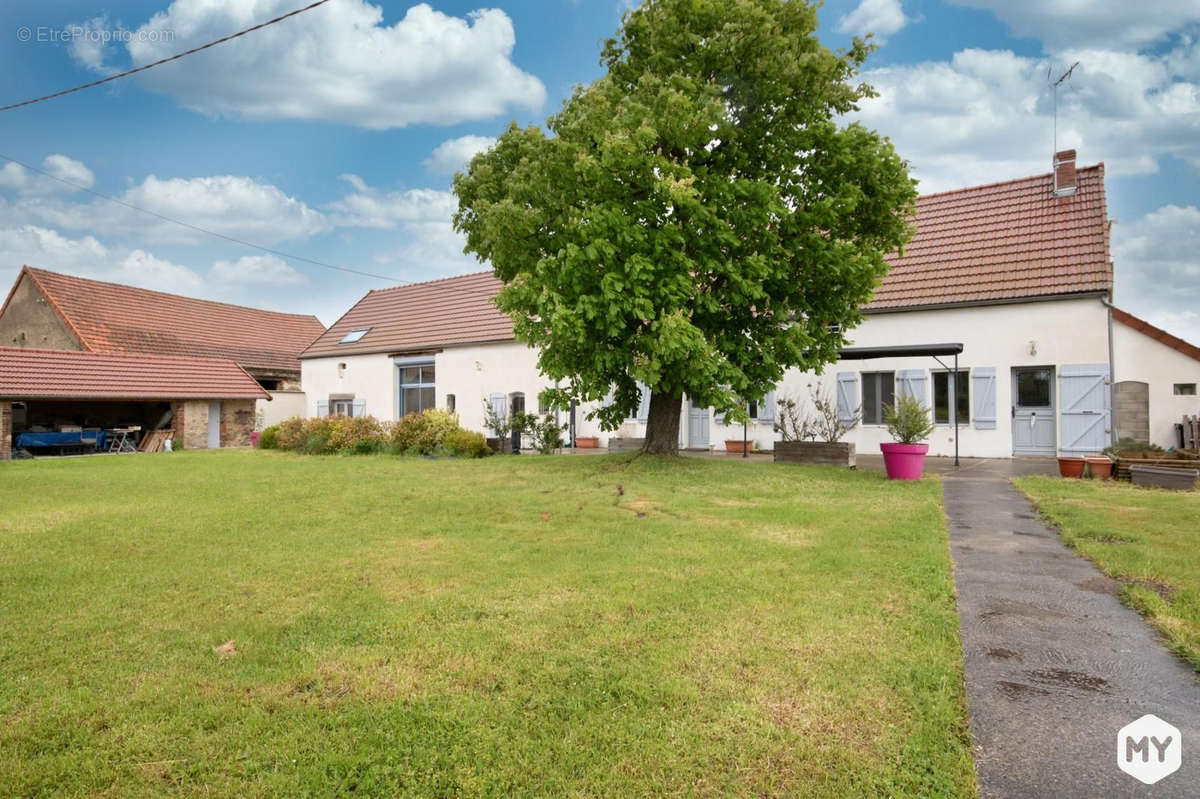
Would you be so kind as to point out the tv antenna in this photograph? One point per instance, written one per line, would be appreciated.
(1063, 78)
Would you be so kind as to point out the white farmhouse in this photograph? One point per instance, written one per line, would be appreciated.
(1018, 273)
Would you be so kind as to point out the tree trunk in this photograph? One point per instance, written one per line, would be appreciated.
(662, 426)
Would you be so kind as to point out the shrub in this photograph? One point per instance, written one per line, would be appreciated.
(290, 434)
(466, 444)
(268, 438)
(908, 420)
(423, 432)
(545, 433)
(359, 434)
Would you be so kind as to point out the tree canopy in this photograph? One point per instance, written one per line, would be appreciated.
(700, 218)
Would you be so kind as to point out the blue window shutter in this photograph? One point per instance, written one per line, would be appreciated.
(766, 408)
(983, 397)
(847, 396)
(643, 411)
(360, 407)
(499, 405)
(913, 383)
(322, 408)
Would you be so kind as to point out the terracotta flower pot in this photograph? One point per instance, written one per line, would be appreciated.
(1099, 467)
(904, 461)
(587, 442)
(1071, 467)
(738, 447)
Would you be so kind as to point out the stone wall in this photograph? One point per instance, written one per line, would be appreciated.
(191, 423)
(237, 420)
(29, 321)
(5, 431)
(1131, 409)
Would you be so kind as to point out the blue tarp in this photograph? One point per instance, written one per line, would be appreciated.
(36, 440)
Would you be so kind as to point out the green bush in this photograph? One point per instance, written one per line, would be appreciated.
(290, 434)
(422, 433)
(360, 434)
(908, 420)
(268, 438)
(466, 444)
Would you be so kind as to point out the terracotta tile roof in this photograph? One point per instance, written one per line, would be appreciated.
(1156, 333)
(455, 310)
(45, 374)
(109, 317)
(1003, 241)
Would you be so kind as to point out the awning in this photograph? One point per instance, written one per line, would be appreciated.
(906, 351)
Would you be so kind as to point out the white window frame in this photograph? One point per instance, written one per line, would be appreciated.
(862, 406)
(407, 363)
(952, 396)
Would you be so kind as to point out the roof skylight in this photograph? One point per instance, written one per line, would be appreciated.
(355, 335)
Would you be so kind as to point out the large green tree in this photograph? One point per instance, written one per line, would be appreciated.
(700, 220)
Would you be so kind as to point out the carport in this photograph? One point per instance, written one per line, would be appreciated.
(66, 401)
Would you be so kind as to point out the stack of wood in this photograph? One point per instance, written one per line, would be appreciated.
(154, 440)
(1191, 432)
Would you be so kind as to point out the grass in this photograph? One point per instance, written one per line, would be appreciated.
(529, 626)
(1146, 538)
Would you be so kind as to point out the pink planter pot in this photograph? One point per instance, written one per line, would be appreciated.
(904, 461)
(254, 434)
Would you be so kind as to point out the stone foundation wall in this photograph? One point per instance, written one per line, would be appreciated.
(237, 420)
(5, 431)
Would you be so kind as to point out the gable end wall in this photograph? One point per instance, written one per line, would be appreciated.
(30, 321)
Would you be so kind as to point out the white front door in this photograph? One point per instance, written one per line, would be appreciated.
(1033, 411)
(697, 427)
(214, 425)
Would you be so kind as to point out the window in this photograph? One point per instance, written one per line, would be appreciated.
(1033, 387)
(543, 406)
(516, 403)
(355, 335)
(878, 391)
(752, 410)
(947, 393)
(341, 407)
(1185, 389)
(416, 388)
(450, 401)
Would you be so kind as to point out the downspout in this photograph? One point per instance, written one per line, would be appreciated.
(1112, 376)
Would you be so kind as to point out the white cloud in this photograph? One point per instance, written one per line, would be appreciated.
(337, 62)
(257, 270)
(453, 154)
(372, 208)
(23, 181)
(986, 115)
(232, 205)
(86, 256)
(1116, 23)
(91, 45)
(1157, 271)
(880, 17)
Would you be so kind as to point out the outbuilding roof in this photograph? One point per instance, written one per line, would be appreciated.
(1001, 242)
(110, 317)
(57, 374)
(1156, 333)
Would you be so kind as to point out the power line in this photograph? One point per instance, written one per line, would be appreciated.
(160, 62)
(199, 229)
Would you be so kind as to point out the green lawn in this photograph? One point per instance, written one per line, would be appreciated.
(553, 626)
(1147, 538)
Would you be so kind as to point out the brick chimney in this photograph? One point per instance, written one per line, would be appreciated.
(1064, 173)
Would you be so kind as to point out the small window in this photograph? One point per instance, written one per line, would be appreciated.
(341, 407)
(878, 392)
(355, 335)
(543, 406)
(752, 410)
(947, 393)
(450, 402)
(1185, 389)
(516, 402)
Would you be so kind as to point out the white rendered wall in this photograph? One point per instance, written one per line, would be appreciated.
(1142, 358)
(282, 405)
(367, 377)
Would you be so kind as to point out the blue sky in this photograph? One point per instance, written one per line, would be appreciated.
(333, 135)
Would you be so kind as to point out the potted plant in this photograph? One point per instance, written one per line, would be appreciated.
(1071, 466)
(814, 438)
(738, 446)
(909, 424)
(1099, 466)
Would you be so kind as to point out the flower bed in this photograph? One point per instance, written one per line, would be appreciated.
(430, 433)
